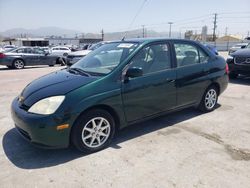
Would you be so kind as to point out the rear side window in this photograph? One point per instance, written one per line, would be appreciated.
(188, 54)
(152, 58)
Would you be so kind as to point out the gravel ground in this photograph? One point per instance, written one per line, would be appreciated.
(183, 149)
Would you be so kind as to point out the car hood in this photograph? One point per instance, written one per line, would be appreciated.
(242, 52)
(53, 84)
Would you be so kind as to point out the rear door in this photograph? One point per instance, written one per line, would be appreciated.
(155, 90)
(192, 72)
(30, 57)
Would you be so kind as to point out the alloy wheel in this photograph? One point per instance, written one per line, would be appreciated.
(210, 98)
(96, 132)
(19, 64)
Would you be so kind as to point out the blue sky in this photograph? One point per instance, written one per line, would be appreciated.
(116, 15)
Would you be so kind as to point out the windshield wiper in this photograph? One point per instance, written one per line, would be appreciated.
(79, 71)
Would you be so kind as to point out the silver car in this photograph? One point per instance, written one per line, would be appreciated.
(27, 56)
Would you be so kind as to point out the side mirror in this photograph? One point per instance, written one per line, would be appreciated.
(134, 72)
(242, 47)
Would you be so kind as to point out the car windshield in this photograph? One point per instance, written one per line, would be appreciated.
(95, 46)
(248, 46)
(105, 58)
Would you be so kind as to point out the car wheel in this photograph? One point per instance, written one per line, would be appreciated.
(18, 64)
(233, 75)
(209, 99)
(93, 131)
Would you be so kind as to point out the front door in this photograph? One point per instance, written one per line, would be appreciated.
(155, 90)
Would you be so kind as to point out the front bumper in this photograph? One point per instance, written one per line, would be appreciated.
(40, 129)
(238, 68)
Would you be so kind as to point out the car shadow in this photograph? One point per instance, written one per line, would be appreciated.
(24, 155)
(243, 80)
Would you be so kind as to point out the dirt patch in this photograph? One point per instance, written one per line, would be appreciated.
(168, 132)
(235, 153)
(238, 154)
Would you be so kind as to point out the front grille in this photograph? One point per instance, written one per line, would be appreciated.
(242, 60)
(24, 107)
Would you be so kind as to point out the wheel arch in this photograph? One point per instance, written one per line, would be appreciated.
(18, 58)
(105, 107)
(217, 85)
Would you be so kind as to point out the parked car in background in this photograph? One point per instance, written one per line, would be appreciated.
(239, 62)
(73, 57)
(46, 49)
(116, 85)
(237, 47)
(60, 50)
(27, 56)
(9, 47)
(212, 48)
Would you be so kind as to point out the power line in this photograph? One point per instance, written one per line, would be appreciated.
(137, 13)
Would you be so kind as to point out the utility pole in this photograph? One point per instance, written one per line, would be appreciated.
(102, 32)
(215, 26)
(143, 31)
(226, 29)
(170, 27)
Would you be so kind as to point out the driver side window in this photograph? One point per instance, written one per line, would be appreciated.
(152, 58)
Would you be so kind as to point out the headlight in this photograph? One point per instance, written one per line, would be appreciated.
(47, 106)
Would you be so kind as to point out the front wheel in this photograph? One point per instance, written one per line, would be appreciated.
(93, 131)
(18, 64)
(209, 99)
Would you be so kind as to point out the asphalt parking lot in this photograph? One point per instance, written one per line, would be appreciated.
(183, 149)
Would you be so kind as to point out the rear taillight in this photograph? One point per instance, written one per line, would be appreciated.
(227, 69)
(2, 55)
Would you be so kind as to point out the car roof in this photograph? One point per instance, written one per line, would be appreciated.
(147, 40)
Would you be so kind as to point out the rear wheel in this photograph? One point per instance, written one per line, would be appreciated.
(18, 64)
(93, 131)
(209, 99)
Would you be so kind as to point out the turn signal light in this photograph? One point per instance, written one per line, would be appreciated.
(61, 127)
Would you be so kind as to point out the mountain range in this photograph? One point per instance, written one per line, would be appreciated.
(56, 31)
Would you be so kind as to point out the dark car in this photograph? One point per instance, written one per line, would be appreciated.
(239, 62)
(27, 56)
(237, 47)
(73, 57)
(117, 85)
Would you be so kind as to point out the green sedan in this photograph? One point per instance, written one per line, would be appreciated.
(116, 85)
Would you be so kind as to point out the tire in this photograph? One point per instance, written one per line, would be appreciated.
(89, 137)
(9, 66)
(209, 99)
(233, 75)
(18, 64)
(63, 62)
